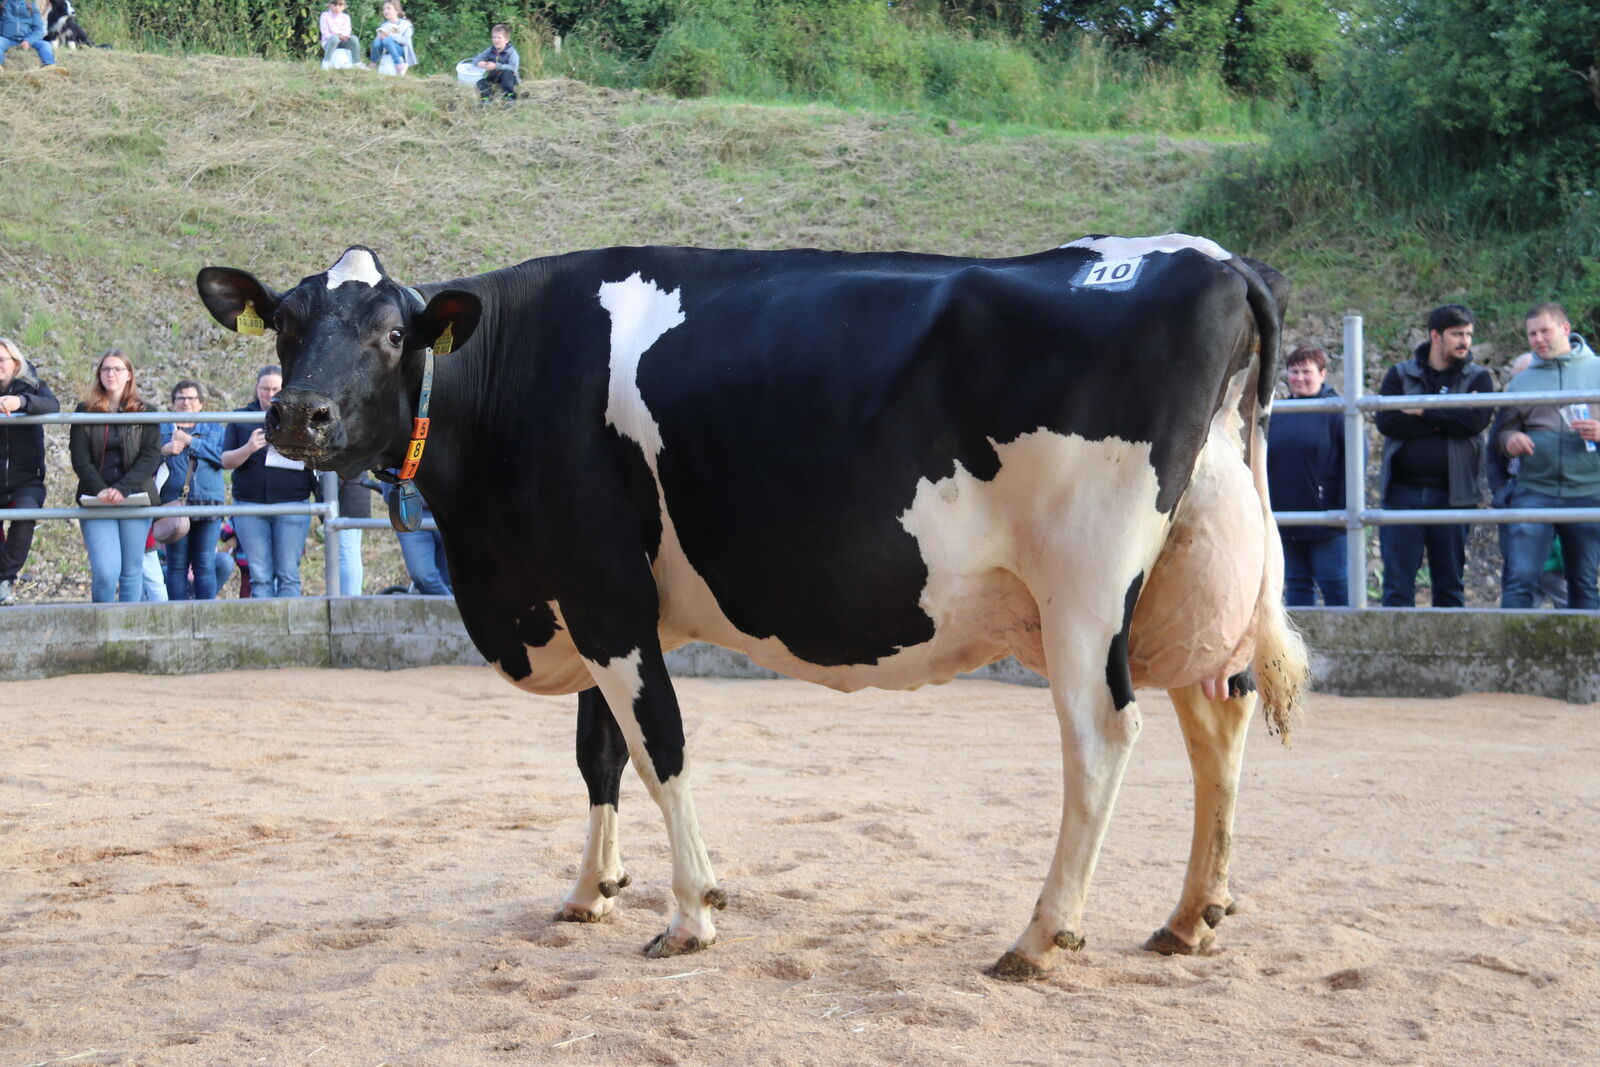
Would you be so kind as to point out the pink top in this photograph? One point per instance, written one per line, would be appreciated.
(334, 25)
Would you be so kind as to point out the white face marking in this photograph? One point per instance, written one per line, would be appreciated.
(1130, 247)
(640, 313)
(356, 265)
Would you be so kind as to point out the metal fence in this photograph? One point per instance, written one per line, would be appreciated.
(1355, 516)
(328, 507)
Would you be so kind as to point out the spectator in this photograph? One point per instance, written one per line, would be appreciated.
(393, 39)
(1558, 463)
(21, 460)
(21, 25)
(499, 63)
(193, 454)
(355, 502)
(1433, 459)
(113, 464)
(1502, 473)
(263, 475)
(423, 551)
(1305, 472)
(336, 33)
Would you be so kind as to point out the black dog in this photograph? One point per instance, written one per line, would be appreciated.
(62, 29)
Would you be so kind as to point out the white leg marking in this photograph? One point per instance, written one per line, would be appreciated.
(692, 876)
(602, 866)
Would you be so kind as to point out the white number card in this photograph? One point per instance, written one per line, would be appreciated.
(278, 459)
(1112, 272)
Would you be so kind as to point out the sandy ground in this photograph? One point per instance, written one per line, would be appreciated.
(330, 868)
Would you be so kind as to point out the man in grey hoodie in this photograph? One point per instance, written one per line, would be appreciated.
(1557, 449)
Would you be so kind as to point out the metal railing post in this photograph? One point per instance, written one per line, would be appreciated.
(330, 531)
(1355, 465)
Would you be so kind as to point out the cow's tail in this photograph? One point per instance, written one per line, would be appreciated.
(1282, 665)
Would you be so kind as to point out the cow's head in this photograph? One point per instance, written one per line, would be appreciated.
(351, 342)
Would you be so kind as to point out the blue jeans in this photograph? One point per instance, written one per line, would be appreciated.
(394, 48)
(116, 558)
(47, 56)
(196, 551)
(1312, 565)
(424, 555)
(1402, 547)
(351, 573)
(272, 544)
(1527, 545)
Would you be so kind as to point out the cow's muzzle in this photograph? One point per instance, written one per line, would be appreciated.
(304, 425)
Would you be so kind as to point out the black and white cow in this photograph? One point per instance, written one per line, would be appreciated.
(873, 469)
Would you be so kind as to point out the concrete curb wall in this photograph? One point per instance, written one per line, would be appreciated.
(1359, 653)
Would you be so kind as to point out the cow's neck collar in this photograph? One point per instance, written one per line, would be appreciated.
(405, 503)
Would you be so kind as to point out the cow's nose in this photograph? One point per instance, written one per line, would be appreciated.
(301, 417)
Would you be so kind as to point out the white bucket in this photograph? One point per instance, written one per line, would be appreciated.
(466, 72)
(341, 60)
(386, 65)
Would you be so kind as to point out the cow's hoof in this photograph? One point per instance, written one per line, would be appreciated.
(1215, 913)
(611, 889)
(1014, 967)
(670, 944)
(1168, 943)
(577, 913)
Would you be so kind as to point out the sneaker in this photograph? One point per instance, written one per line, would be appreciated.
(7, 597)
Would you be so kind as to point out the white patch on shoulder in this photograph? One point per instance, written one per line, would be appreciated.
(641, 312)
(356, 265)
(1132, 247)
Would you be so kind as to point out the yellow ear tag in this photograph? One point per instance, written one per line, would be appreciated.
(445, 342)
(248, 322)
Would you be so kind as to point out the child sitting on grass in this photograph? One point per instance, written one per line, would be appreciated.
(499, 63)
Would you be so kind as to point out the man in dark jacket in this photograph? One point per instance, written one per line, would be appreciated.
(1432, 459)
(1305, 472)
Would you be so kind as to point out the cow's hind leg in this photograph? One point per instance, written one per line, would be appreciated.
(602, 755)
(1093, 691)
(1214, 732)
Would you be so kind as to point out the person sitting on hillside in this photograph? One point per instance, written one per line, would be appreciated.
(22, 26)
(334, 26)
(393, 39)
(499, 63)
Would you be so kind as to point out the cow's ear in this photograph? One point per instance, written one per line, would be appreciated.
(454, 310)
(229, 294)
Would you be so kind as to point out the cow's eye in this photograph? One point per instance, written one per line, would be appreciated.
(395, 337)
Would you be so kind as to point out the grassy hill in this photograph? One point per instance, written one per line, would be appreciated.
(127, 173)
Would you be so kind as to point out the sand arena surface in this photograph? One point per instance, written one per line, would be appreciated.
(332, 868)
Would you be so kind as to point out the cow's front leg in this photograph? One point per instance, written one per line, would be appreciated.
(644, 705)
(1214, 731)
(602, 754)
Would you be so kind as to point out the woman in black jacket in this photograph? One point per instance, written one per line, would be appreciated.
(262, 475)
(21, 459)
(115, 463)
(1305, 472)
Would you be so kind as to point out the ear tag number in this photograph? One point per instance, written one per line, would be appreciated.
(445, 342)
(248, 322)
